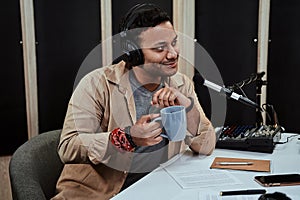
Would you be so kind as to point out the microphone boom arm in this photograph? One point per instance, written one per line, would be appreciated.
(230, 94)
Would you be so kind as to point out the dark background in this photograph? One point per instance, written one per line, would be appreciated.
(226, 30)
(67, 31)
(12, 102)
(284, 62)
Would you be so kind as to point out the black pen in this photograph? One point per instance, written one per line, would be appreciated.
(242, 192)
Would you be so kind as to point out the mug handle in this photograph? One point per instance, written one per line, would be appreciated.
(162, 134)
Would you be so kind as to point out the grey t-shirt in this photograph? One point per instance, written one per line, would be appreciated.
(146, 158)
(142, 99)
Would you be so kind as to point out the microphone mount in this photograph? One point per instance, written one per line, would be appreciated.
(229, 93)
(259, 83)
(252, 78)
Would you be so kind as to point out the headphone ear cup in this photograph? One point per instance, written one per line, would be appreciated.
(134, 55)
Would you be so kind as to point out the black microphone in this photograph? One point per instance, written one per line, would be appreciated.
(229, 93)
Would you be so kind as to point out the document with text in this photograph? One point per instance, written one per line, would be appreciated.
(190, 176)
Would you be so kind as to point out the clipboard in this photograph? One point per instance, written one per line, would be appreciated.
(256, 165)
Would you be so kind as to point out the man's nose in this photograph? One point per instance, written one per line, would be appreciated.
(172, 53)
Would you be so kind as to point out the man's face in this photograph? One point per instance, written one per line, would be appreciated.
(160, 49)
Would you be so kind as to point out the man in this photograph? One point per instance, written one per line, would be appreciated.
(109, 140)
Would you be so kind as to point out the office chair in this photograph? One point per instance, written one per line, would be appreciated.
(35, 166)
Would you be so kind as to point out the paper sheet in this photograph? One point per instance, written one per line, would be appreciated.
(190, 176)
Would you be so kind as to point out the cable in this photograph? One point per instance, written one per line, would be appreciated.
(287, 139)
(267, 113)
(253, 77)
(240, 88)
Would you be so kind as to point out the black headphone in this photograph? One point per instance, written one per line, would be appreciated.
(133, 54)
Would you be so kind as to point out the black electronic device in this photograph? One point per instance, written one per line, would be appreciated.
(249, 137)
(278, 180)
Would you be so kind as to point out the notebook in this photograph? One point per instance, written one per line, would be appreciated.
(253, 164)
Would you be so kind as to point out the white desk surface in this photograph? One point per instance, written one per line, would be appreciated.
(160, 185)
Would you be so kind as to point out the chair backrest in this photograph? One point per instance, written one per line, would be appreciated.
(35, 166)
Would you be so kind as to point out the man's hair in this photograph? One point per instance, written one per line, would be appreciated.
(143, 16)
(138, 19)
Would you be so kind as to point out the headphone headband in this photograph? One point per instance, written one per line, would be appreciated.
(132, 14)
(132, 53)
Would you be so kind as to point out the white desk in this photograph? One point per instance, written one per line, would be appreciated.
(160, 185)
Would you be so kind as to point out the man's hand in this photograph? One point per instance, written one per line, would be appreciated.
(145, 132)
(169, 96)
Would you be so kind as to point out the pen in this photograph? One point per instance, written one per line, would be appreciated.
(234, 163)
(242, 192)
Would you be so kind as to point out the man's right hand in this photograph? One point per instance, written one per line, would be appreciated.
(146, 132)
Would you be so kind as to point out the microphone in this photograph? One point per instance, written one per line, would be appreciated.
(225, 91)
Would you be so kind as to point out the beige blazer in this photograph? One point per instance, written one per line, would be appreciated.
(103, 101)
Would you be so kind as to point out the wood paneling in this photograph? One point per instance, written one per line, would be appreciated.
(5, 191)
(29, 57)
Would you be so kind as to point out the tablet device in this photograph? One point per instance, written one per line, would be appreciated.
(278, 180)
